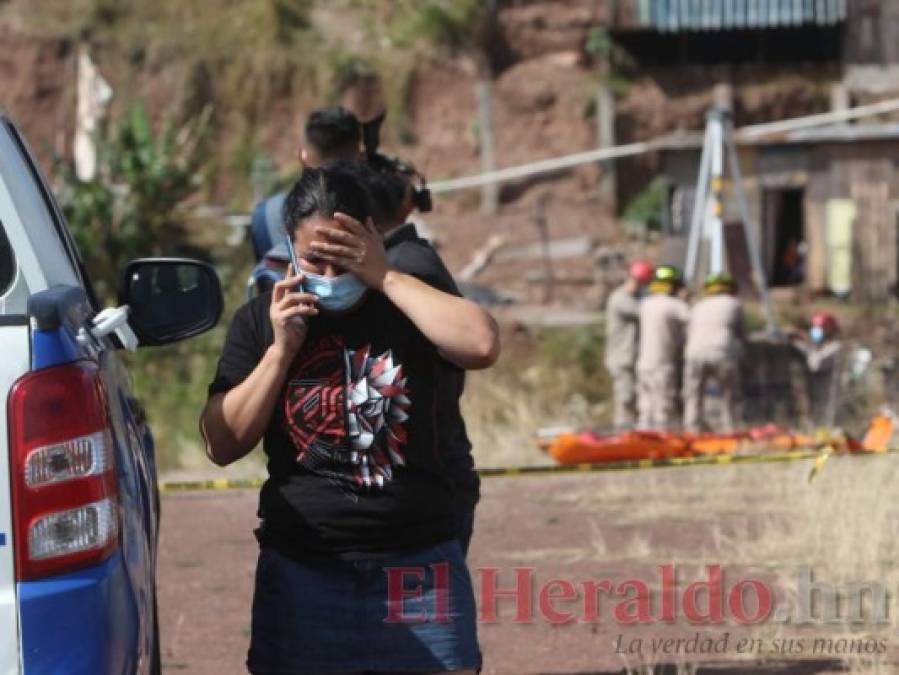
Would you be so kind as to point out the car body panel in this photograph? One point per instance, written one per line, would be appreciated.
(15, 361)
(63, 617)
(99, 619)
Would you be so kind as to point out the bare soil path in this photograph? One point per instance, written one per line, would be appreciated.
(757, 521)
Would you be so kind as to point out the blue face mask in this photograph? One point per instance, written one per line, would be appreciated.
(816, 333)
(335, 294)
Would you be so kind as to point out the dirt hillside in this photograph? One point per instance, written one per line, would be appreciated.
(543, 107)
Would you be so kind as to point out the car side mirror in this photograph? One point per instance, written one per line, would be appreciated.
(170, 299)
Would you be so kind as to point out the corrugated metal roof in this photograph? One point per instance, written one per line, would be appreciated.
(671, 16)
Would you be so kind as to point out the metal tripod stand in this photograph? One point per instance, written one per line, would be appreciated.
(706, 220)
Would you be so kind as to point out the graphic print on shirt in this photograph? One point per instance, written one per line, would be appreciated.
(345, 412)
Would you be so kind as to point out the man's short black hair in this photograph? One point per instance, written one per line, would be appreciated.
(324, 192)
(333, 132)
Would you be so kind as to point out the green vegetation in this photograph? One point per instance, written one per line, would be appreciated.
(135, 207)
(546, 378)
(647, 206)
(444, 24)
(131, 208)
(617, 66)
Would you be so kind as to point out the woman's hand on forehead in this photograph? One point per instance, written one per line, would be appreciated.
(344, 228)
(343, 240)
(353, 246)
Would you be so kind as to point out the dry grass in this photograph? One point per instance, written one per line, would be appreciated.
(545, 379)
(761, 518)
(766, 518)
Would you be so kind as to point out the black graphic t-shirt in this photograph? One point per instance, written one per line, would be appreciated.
(354, 465)
(409, 253)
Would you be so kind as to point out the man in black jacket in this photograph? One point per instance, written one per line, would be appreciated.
(393, 197)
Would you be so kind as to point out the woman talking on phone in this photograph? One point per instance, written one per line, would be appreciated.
(334, 370)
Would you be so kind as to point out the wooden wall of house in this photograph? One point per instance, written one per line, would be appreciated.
(872, 32)
(817, 193)
(866, 173)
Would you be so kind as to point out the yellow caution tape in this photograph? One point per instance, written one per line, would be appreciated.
(218, 484)
(820, 457)
(819, 463)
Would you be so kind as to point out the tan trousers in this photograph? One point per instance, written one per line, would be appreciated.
(658, 398)
(624, 389)
(697, 373)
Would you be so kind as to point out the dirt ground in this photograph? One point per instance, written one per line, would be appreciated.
(759, 521)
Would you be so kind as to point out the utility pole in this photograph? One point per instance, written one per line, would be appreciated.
(542, 224)
(605, 136)
(484, 97)
(489, 191)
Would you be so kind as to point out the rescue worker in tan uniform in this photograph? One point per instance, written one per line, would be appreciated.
(714, 345)
(663, 319)
(622, 333)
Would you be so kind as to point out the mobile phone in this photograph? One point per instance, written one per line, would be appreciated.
(294, 261)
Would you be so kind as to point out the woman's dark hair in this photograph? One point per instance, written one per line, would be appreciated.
(324, 192)
(386, 190)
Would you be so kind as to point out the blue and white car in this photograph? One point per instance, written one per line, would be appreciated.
(79, 504)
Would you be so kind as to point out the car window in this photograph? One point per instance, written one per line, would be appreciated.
(7, 263)
(62, 230)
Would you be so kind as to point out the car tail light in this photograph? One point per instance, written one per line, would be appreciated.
(65, 496)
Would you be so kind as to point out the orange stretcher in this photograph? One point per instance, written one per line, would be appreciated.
(588, 447)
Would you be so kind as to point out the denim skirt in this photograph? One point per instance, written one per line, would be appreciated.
(411, 612)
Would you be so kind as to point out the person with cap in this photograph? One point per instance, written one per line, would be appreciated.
(663, 319)
(622, 335)
(823, 353)
(714, 344)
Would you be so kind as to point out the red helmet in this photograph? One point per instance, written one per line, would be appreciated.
(641, 270)
(826, 321)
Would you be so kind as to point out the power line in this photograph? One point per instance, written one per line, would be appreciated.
(751, 134)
